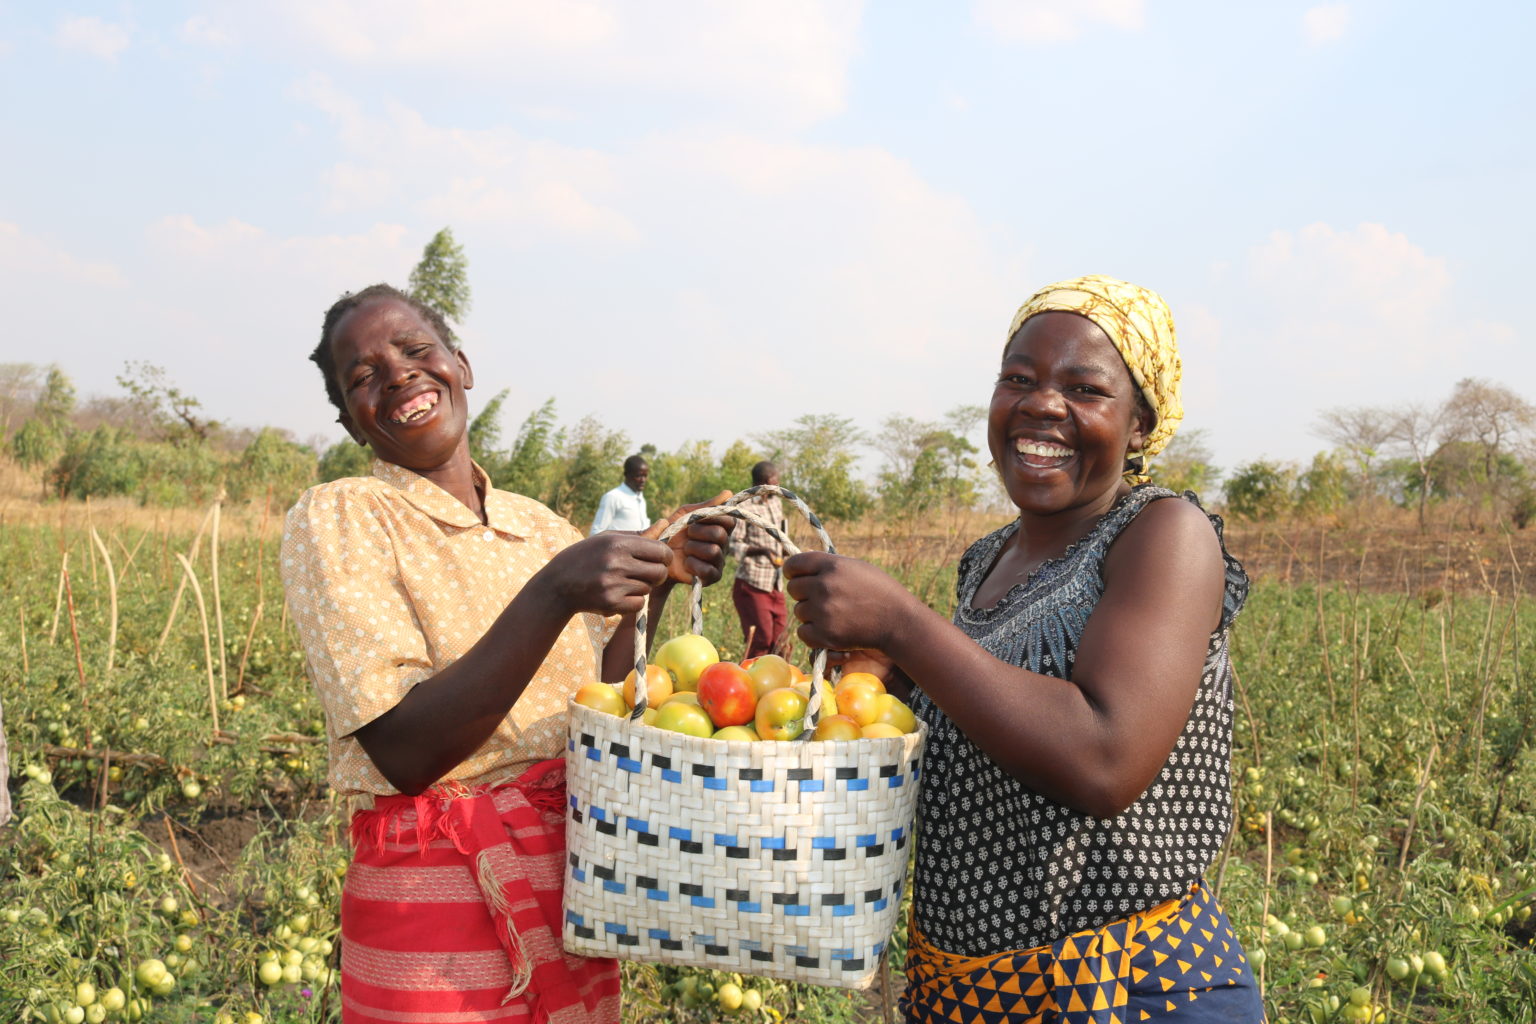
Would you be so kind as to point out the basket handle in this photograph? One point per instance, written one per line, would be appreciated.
(732, 507)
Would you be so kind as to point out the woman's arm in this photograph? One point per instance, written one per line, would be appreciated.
(443, 720)
(1093, 743)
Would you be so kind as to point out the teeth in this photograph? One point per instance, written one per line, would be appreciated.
(415, 408)
(1050, 451)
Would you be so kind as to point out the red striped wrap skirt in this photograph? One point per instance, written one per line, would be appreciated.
(451, 911)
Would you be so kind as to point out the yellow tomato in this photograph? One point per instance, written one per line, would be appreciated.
(891, 711)
(881, 730)
(862, 679)
(688, 719)
(658, 686)
(780, 714)
(837, 727)
(602, 697)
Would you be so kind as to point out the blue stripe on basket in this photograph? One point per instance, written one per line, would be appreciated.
(812, 785)
(843, 954)
(797, 950)
(897, 833)
(579, 874)
(629, 764)
(609, 885)
(573, 803)
(724, 840)
(749, 908)
(897, 781)
(881, 903)
(707, 902)
(598, 813)
(869, 840)
(858, 783)
(750, 944)
(716, 783)
(593, 755)
(671, 775)
(797, 910)
(613, 928)
(773, 842)
(845, 910)
(879, 947)
(575, 918)
(704, 940)
(637, 824)
(824, 843)
(762, 786)
(658, 933)
(683, 834)
(658, 894)
(570, 744)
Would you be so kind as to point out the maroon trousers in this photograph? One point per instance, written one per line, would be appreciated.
(762, 616)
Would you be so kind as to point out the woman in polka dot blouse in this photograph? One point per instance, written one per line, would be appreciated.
(1076, 782)
(446, 624)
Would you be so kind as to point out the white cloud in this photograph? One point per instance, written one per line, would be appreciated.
(491, 176)
(201, 31)
(786, 62)
(90, 35)
(1325, 316)
(1055, 21)
(24, 256)
(1325, 23)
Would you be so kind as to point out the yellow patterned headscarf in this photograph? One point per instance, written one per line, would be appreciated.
(1140, 325)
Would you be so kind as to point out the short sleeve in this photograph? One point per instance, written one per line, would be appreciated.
(363, 643)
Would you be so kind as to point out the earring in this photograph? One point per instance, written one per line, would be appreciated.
(1135, 462)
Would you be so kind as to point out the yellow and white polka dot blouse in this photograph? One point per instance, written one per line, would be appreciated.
(390, 579)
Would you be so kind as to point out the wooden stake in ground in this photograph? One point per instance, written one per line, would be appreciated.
(202, 611)
(106, 557)
(74, 631)
(218, 605)
(58, 600)
(182, 585)
(25, 668)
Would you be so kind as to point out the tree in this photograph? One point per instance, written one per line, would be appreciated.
(345, 458)
(273, 464)
(44, 437)
(1362, 434)
(485, 437)
(526, 468)
(816, 458)
(1495, 420)
(589, 464)
(175, 414)
(441, 278)
(1185, 465)
(1260, 490)
(926, 466)
(1417, 430)
(19, 383)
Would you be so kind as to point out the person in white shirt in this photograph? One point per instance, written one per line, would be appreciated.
(623, 508)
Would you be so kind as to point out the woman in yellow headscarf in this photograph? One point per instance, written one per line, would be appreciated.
(1076, 780)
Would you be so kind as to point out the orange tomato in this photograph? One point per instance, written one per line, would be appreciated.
(738, 733)
(862, 679)
(859, 703)
(837, 727)
(880, 731)
(780, 714)
(658, 686)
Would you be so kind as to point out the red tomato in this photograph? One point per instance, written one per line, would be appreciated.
(727, 694)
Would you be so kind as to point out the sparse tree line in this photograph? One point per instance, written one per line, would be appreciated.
(1474, 453)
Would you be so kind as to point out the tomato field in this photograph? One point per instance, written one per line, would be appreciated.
(176, 856)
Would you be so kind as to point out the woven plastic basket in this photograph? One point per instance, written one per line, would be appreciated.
(780, 859)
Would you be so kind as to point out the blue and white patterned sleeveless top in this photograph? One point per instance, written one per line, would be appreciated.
(1000, 867)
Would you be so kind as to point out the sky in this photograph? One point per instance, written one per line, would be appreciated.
(702, 219)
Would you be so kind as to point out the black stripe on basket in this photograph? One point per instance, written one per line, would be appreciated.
(628, 940)
(833, 899)
(751, 775)
(673, 944)
(647, 882)
(874, 851)
(687, 846)
(649, 839)
(588, 740)
(690, 889)
(606, 874)
(873, 895)
(738, 852)
(575, 861)
(842, 774)
(757, 954)
(737, 895)
(586, 933)
(834, 853)
(618, 749)
(661, 760)
(807, 961)
(784, 854)
(786, 899)
(706, 771)
(853, 965)
(717, 950)
(887, 770)
(800, 774)
(608, 828)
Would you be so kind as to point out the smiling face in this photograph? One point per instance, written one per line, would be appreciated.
(403, 388)
(1064, 413)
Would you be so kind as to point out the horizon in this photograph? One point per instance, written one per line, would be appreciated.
(739, 217)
